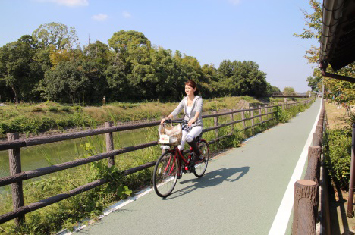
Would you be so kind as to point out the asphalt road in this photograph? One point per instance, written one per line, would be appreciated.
(240, 193)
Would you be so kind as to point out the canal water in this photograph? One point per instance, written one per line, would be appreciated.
(48, 154)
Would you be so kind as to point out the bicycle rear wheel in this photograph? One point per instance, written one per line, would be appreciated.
(201, 165)
(165, 175)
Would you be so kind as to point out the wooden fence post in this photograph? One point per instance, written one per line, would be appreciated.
(243, 119)
(350, 212)
(232, 120)
(252, 117)
(216, 124)
(109, 145)
(304, 220)
(313, 171)
(260, 117)
(267, 113)
(15, 168)
(319, 130)
(317, 136)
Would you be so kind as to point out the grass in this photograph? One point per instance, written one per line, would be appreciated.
(90, 204)
(337, 116)
(32, 119)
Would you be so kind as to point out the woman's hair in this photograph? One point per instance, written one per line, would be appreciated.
(193, 85)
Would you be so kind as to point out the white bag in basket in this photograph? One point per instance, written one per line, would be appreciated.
(170, 134)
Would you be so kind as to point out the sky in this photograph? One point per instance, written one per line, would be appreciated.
(209, 30)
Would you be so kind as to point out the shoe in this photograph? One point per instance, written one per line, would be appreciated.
(179, 175)
(194, 160)
(199, 159)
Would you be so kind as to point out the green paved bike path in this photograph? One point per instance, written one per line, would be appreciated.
(240, 193)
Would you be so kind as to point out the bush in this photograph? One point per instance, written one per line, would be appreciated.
(65, 108)
(53, 109)
(77, 108)
(338, 155)
(37, 109)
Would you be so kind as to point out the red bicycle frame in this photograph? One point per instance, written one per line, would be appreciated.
(178, 155)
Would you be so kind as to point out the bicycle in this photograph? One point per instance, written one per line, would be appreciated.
(172, 164)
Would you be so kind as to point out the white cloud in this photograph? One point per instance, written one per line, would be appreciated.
(126, 14)
(68, 3)
(234, 2)
(100, 17)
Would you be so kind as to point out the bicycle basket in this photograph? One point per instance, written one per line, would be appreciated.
(169, 134)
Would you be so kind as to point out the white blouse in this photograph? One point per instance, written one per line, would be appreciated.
(188, 110)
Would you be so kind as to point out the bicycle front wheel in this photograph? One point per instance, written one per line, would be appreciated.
(165, 175)
(201, 165)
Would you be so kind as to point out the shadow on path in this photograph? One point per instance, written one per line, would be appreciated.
(210, 179)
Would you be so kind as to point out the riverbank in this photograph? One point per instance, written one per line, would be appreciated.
(67, 213)
(49, 118)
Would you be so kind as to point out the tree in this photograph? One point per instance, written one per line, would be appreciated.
(56, 34)
(18, 68)
(249, 79)
(341, 91)
(313, 29)
(209, 81)
(241, 78)
(95, 61)
(289, 91)
(314, 83)
(133, 50)
(65, 83)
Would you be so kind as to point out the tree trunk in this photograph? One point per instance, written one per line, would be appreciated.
(15, 94)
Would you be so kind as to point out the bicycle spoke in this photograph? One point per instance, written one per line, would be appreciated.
(201, 165)
(165, 175)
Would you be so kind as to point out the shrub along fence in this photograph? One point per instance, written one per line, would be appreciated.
(311, 194)
(14, 145)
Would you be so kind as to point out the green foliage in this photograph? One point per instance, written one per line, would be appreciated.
(53, 109)
(90, 204)
(56, 34)
(337, 147)
(67, 213)
(315, 83)
(284, 115)
(37, 109)
(241, 78)
(65, 108)
(50, 65)
(289, 91)
(19, 70)
(341, 91)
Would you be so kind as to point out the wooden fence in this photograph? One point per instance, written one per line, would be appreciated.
(310, 194)
(14, 145)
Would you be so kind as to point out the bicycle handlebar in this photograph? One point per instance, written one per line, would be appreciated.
(175, 121)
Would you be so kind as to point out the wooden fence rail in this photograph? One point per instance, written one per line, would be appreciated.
(307, 196)
(17, 176)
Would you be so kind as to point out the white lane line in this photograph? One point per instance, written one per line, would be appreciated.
(282, 217)
(109, 210)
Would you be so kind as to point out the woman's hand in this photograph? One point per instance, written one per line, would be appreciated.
(162, 121)
(166, 118)
(191, 121)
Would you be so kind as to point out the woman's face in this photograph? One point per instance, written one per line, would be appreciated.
(189, 90)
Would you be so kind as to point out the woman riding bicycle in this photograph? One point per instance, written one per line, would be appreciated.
(192, 105)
